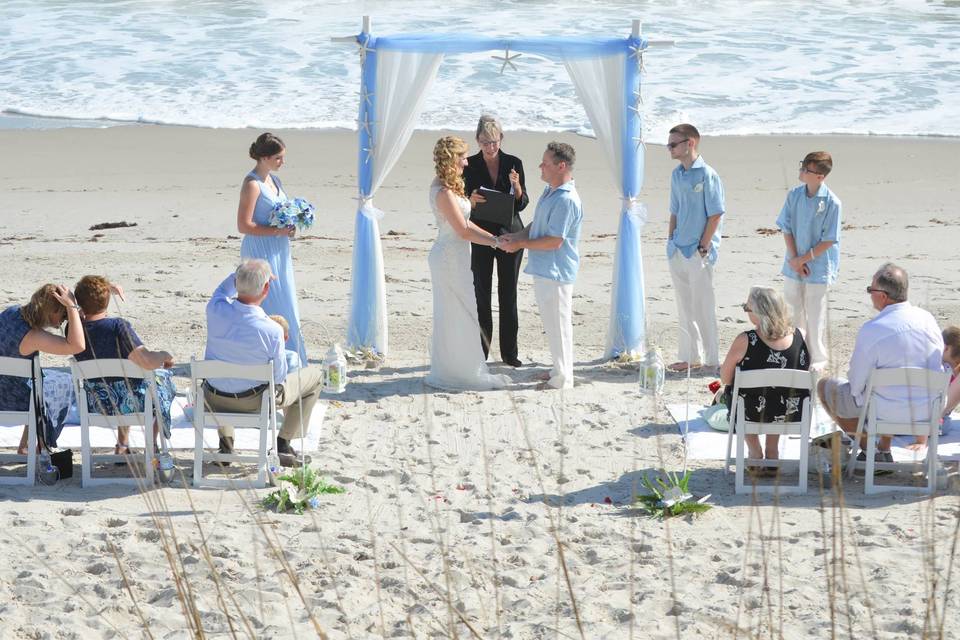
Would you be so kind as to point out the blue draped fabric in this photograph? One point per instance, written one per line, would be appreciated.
(628, 314)
(367, 278)
(365, 312)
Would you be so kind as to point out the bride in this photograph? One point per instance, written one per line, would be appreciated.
(456, 358)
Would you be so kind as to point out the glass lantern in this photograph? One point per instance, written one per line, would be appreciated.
(334, 370)
(652, 373)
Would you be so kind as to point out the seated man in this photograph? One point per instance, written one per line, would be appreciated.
(239, 331)
(901, 335)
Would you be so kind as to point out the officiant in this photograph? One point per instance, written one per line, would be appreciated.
(492, 169)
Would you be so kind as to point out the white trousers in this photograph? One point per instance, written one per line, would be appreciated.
(696, 310)
(555, 300)
(809, 302)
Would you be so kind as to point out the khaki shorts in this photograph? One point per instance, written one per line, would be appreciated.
(837, 396)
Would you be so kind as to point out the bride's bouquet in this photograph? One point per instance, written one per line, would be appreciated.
(292, 213)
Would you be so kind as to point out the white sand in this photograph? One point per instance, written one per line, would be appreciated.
(456, 482)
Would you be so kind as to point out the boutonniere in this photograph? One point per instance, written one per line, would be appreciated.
(821, 206)
(697, 188)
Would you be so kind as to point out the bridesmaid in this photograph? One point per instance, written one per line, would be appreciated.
(261, 190)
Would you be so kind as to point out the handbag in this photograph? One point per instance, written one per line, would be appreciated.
(62, 460)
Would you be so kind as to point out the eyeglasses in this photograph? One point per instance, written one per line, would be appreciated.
(673, 145)
(746, 307)
(488, 143)
(803, 169)
(872, 290)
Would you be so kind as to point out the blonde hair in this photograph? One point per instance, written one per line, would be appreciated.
(446, 158)
(40, 311)
(490, 126)
(771, 311)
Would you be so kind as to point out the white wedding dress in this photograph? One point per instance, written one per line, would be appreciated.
(456, 358)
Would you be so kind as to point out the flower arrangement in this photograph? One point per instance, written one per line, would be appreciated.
(299, 490)
(670, 498)
(292, 213)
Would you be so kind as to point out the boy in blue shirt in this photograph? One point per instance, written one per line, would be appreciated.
(810, 222)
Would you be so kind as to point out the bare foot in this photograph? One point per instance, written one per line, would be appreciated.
(545, 375)
(916, 446)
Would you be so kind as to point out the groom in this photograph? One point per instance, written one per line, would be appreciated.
(551, 242)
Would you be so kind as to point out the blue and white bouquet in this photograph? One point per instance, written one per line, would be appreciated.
(292, 213)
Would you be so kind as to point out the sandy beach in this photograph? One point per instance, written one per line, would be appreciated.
(457, 504)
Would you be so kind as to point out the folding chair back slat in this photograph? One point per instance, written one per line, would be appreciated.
(21, 368)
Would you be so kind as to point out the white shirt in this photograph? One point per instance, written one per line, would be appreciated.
(901, 335)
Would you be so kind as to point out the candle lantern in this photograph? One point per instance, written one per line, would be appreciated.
(335, 370)
(652, 372)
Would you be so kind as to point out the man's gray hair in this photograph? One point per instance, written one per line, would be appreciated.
(893, 280)
(251, 276)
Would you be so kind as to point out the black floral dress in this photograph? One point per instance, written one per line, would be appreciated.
(772, 404)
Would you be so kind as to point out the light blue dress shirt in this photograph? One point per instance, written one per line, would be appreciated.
(811, 220)
(242, 334)
(695, 195)
(559, 214)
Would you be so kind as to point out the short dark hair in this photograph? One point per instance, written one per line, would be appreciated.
(562, 152)
(893, 281)
(266, 145)
(821, 160)
(951, 340)
(687, 131)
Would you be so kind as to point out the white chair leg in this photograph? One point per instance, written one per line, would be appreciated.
(739, 469)
(871, 463)
(86, 473)
(31, 455)
(804, 458)
(197, 445)
(727, 460)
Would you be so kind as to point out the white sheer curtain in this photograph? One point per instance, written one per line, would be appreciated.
(403, 80)
(601, 86)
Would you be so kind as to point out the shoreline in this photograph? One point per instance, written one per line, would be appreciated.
(32, 122)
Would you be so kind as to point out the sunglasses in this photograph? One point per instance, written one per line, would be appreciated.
(872, 290)
(672, 145)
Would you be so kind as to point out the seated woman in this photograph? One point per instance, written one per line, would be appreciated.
(773, 343)
(115, 338)
(22, 335)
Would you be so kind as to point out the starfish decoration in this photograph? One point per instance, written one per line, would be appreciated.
(639, 97)
(636, 52)
(366, 96)
(369, 151)
(366, 123)
(364, 50)
(507, 60)
(639, 141)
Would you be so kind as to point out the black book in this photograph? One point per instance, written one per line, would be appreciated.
(497, 209)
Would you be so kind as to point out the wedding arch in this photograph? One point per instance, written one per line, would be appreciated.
(396, 73)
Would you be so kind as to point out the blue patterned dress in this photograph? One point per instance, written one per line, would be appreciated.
(15, 392)
(282, 299)
(115, 338)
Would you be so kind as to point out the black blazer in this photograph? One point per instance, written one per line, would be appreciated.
(475, 175)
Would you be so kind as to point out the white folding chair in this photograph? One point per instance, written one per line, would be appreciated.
(759, 379)
(204, 417)
(133, 374)
(21, 368)
(928, 384)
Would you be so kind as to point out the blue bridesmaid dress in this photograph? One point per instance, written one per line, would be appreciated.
(282, 299)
